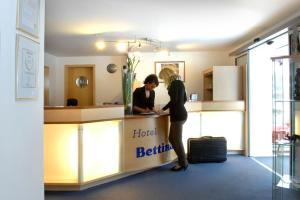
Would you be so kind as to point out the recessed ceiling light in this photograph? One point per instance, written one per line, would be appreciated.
(100, 45)
(122, 47)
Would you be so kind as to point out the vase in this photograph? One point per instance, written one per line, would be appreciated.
(127, 82)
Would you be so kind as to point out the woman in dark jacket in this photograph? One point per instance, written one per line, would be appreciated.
(178, 114)
(143, 97)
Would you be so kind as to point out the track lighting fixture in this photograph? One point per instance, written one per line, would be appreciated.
(143, 44)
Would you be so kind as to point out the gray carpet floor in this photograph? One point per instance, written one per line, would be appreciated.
(239, 178)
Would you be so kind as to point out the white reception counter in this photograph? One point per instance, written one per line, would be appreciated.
(87, 146)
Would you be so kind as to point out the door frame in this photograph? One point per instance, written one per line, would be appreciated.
(48, 99)
(66, 78)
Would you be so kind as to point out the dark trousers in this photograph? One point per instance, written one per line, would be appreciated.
(175, 138)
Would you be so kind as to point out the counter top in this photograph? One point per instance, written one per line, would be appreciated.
(197, 106)
(145, 116)
(81, 107)
(77, 114)
(87, 114)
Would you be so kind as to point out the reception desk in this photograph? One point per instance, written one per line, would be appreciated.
(87, 146)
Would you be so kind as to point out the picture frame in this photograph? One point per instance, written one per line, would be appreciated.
(177, 66)
(28, 17)
(27, 62)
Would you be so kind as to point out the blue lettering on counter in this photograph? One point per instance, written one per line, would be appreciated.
(141, 151)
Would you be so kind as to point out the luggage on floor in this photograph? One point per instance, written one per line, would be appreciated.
(207, 149)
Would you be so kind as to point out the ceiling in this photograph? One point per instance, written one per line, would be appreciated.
(74, 26)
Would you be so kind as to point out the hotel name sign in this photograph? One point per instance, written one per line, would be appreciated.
(146, 143)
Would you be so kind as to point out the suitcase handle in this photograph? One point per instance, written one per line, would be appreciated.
(206, 137)
(201, 137)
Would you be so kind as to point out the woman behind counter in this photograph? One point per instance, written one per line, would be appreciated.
(178, 114)
(143, 97)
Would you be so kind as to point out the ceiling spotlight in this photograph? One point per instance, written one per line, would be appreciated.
(269, 42)
(100, 45)
(256, 40)
(131, 45)
(122, 47)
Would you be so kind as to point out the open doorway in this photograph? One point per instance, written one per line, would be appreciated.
(260, 97)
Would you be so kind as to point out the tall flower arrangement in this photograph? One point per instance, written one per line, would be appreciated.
(128, 77)
(132, 62)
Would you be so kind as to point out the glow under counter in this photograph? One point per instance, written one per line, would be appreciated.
(84, 147)
(72, 151)
(77, 155)
(228, 124)
(100, 137)
(191, 128)
(61, 153)
(217, 118)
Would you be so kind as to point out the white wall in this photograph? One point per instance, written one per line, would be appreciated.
(195, 63)
(21, 135)
(108, 86)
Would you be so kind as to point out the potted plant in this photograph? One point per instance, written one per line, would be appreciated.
(128, 77)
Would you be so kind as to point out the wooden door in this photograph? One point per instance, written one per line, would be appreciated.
(46, 86)
(84, 93)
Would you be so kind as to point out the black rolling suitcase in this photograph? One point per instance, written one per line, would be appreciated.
(207, 149)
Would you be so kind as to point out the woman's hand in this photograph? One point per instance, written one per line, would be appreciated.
(146, 110)
(159, 111)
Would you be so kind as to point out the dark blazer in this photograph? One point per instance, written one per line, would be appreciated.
(140, 100)
(178, 98)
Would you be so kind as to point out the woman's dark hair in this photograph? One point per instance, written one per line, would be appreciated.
(152, 78)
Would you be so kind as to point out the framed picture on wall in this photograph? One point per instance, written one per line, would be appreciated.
(27, 62)
(177, 66)
(28, 16)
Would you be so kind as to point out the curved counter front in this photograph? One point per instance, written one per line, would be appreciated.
(87, 146)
